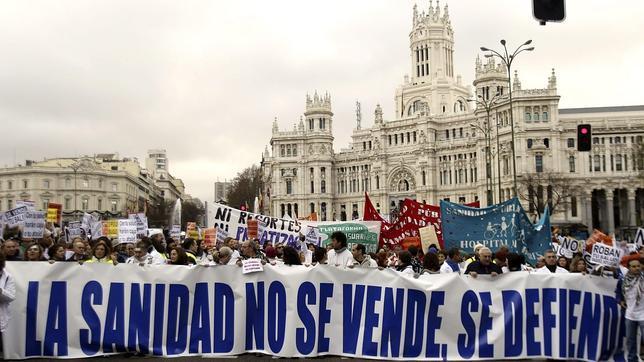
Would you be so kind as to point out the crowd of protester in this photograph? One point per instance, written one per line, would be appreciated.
(158, 249)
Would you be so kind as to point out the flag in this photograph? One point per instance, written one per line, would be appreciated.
(175, 216)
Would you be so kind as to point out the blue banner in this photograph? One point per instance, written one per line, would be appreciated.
(502, 224)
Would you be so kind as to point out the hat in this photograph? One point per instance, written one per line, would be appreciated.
(115, 242)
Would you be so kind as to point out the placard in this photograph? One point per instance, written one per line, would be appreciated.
(252, 266)
(34, 227)
(127, 230)
(603, 254)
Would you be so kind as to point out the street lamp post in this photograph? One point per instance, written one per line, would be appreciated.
(507, 59)
(487, 105)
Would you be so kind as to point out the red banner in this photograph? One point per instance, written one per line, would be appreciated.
(413, 215)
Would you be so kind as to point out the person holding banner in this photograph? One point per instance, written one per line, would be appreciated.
(7, 295)
(178, 256)
(632, 291)
(11, 250)
(361, 257)
(339, 255)
(56, 253)
(101, 253)
(484, 265)
(451, 263)
(551, 266)
(78, 251)
(34, 252)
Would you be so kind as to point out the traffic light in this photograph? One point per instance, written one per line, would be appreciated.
(549, 10)
(584, 137)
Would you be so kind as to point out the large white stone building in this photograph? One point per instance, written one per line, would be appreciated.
(435, 147)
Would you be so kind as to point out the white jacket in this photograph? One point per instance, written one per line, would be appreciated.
(7, 295)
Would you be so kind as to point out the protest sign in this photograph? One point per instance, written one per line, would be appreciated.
(603, 254)
(111, 228)
(73, 230)
(127, 230)
(233, 223)
(252, 228)
(54, 212)
(31, 205)
(312, 235)
(141, 224)
(493, 226)
(428, 237)
(16, 216)
(34, 227)
(567, 246)
(357, 232)
(209, 238)
(175, 232)
(639, 237)
(252, 266)
(411, 241)
(68, 311)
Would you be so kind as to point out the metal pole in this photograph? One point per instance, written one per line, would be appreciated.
(489, 142)
(514, 161)
(498, 156)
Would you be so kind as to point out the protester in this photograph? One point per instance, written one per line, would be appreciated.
(250, 250)
(474, 257)
(320, 256)
(7, 295)
(178, 256)
(415, 263)
(514, 263)
(632, 291)
(291, 256)
(225, 256)
(578, 265)
(442, 256)
(551, 264)
(381, 259)
(190, 247)
(451, 264)
(541, 262)
(11, 250)
(101, 253)
(339, 255)
(404, 263)
(431, 264)
(34, 252)
(79, 251)
(484, 265)
(362, 259)
(562, 261)
(142, 257)
(56, 253)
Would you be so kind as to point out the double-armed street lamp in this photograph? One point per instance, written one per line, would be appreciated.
(507, 59)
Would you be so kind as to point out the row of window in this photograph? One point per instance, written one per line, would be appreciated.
(289, 150)
(321, 123)
(393, 139)
(46, 184)
(460, 176)
(536, 113)
(616, 140)
(619, 162)
(460, 156)
(454, 132)
(361, 168)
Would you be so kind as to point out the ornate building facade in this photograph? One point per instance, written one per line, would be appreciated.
(443, 145)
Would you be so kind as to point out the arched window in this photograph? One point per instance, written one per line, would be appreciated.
(528, 114)
(597, 163)
(618, 163)
(322, 186)
(377, 182)
(403, 185)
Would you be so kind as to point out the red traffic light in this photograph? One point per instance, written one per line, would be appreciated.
(584, 130)
(584, 138)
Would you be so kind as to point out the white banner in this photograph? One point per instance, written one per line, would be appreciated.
(271, 229)
(73, 230)
(569, 246)
(297, 311)
(34, 225)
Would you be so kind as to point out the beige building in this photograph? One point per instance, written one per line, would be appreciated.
(103, 183)
(439, 146)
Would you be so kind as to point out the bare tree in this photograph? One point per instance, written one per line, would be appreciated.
(245, 186)
(543, 189)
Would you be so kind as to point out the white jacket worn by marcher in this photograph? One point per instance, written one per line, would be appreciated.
(7, 295)
(340, 258)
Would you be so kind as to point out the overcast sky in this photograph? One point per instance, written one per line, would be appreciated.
(205, 79)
